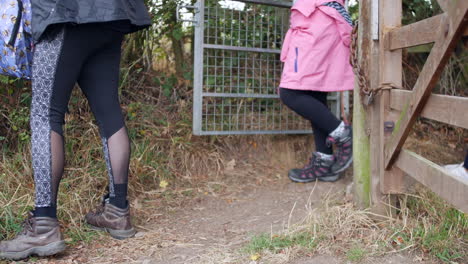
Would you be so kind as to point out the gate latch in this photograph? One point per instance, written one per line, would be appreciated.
(389, 126)
(179, 7)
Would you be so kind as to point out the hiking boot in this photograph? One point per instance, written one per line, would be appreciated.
(112, 219)
(40, 236)
(319, 168)
(342, 137)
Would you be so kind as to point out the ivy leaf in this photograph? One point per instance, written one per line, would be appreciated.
(177, 34)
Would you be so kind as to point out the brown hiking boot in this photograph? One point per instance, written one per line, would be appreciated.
(40, 236)
(112, 219)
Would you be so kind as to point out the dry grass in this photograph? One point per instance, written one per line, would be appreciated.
(162, 149)
(425, 226)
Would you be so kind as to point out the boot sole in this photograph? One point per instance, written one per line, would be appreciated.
(42, 251)
(115, 233)
(345, 166)
(331, 178)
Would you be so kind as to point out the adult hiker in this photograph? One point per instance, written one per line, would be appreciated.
(76, 42)
(316, 54)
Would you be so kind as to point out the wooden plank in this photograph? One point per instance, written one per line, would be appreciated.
(419, 33)
(456, 20)
(443, 4)
(391, 71)
(454, 190)
(443, 108)
(394, 180)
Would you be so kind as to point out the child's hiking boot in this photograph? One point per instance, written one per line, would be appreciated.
(319, 168)
(112, 219)
(342, 137)
(40, 236)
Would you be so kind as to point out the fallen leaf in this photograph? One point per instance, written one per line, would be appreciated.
(163, 184)
(255, 257)
(400, 240)
(230, 165)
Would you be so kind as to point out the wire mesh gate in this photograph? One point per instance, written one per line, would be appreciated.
(237, 69)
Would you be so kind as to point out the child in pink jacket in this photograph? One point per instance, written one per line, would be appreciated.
(315, 53)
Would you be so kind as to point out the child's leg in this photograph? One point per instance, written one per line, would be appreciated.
(324, 123)
(320, 138)
(311, 105)
(466, 161)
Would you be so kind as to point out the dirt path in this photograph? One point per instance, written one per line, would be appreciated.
(211, 228)
(209, 225)
(227, 222)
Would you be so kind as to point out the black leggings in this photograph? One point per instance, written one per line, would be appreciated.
(312, 105)
(465, 164)
(89, 55)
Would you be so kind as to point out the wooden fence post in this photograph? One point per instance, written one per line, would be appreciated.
(368, 121)
(361, 144)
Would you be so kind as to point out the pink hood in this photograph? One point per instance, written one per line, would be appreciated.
(307, 7)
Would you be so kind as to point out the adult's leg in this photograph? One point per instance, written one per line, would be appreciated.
(53, 80)
(99, 81)
(55, 70)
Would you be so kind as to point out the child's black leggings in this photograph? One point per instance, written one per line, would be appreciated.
(89, 55)
(312, 105)
(466, 162)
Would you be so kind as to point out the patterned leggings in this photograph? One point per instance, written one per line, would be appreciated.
(89, 55)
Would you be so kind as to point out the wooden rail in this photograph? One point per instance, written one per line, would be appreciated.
(452, 189)
(443, 108)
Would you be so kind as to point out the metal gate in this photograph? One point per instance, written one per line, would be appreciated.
(237, 69)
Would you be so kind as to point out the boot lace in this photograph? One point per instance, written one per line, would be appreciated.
(100, 209)
(27, 225)
(313, 162)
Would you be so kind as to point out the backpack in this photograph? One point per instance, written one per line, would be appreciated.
(15, 38)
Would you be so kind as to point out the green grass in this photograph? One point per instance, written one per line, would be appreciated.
(356, 254)
(161, 149)
(277, 243)
(425, 223)
(11, 221)
(84, 234)
(443, 230)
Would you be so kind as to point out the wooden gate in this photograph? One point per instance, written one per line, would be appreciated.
(382, 127)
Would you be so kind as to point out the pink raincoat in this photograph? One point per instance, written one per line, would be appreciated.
(315, 50)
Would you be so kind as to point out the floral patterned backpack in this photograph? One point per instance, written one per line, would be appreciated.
(15, 38)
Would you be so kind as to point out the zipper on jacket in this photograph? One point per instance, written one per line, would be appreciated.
(16, 27)
(295, 60)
